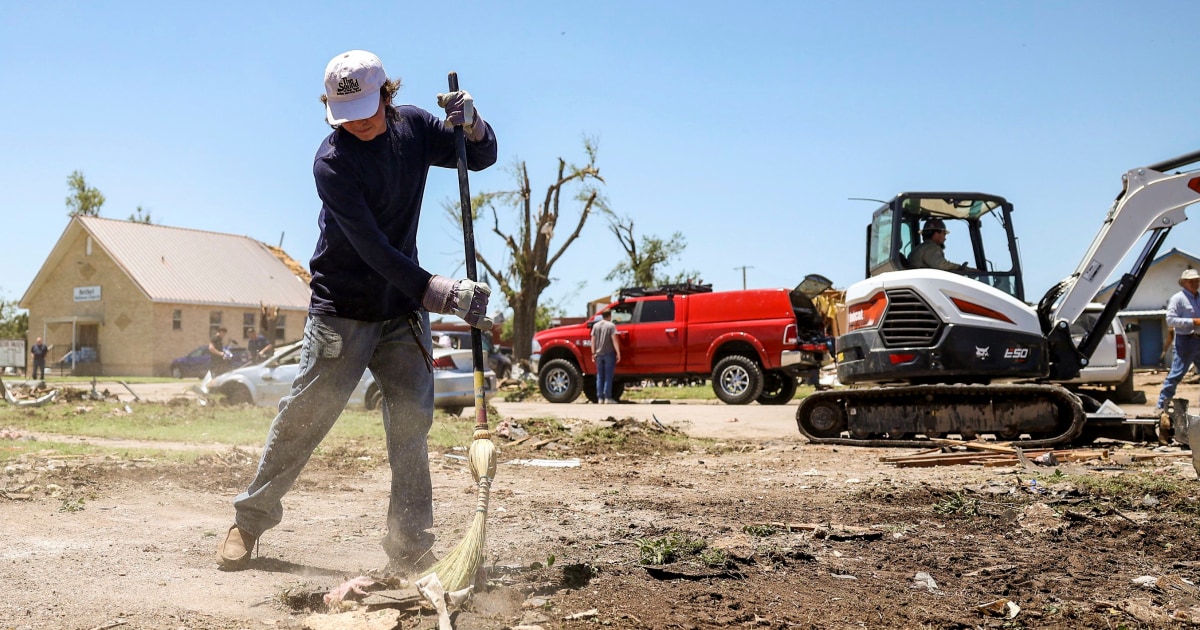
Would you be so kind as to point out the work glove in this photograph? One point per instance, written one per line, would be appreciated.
(460, 110)
(464, 298)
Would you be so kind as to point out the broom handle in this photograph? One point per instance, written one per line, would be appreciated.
(468, 223)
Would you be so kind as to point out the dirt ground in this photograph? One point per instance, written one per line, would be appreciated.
(768, 532)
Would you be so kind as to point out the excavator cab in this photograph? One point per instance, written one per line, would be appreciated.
(983, 221)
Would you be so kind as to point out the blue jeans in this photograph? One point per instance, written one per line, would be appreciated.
(1187, 353)
(606, 364)
(336, 352)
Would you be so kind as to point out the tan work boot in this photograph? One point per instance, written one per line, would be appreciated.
(234, 551)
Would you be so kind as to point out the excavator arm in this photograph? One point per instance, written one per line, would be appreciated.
(1152, 200)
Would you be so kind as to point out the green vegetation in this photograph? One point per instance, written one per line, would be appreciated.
(218, 424)
(957, 505)
(681, 392)
(1129, 490)
(670, 548)
(759, 531)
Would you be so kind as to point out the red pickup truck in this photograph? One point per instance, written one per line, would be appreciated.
(753, 344)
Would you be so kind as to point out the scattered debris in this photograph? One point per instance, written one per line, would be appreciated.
(547, 463)
(587, 614)
(26, 396)
(1002, 607)
(1046, 459)
(954, 452)
(353, 586)
(925, 581)
(1167, 583)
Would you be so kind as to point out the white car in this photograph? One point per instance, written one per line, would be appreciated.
(453, 382)
(1109, 367)
(266, 382)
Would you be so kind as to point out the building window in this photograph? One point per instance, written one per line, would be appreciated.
(176, 319)
(280, 327)
(247, 324)
(214, 322)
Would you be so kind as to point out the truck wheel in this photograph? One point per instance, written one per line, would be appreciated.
(778, 388)
(737, 380)
(559, 381)
(1125, 393)
(589, 389)
(373, 398)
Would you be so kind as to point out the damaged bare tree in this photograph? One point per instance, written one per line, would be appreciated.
(641, 269)
(268, 316)
(530, 248)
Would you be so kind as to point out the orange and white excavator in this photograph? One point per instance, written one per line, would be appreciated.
(932, 352)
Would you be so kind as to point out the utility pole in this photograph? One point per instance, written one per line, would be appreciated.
(743, 268)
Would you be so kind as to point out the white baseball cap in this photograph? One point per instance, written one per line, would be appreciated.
(352, 82)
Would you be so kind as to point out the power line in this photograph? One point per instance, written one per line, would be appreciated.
(743, 268)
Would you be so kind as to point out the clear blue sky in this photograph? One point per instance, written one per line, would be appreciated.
(746, 126)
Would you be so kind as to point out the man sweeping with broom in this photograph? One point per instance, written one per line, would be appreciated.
(370, 301)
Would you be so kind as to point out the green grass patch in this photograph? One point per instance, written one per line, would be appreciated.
(1129, 490)
(681, 392)
(957, 504)
(670, 548)
(85, 382)
(357, 431)
(760, 531)
(15, 449)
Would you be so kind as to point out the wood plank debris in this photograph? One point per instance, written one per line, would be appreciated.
(976, 453)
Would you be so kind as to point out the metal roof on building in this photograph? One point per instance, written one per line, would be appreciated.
(186, 266)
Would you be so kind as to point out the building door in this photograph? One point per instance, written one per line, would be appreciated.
(89, 336)
(1150, 342)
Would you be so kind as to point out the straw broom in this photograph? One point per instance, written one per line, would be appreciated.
(457, 569)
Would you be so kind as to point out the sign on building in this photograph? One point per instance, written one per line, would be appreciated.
(12, 353)
(87, 294)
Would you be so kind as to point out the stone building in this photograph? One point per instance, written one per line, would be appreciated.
(131, 297)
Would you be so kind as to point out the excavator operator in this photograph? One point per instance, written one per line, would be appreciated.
(931, 253)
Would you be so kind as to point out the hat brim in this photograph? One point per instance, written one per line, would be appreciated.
(343, 111)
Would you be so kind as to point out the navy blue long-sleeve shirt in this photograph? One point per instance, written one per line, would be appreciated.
(365, 265)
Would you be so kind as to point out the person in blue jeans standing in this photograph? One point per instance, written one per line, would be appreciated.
(370, 302)
(606, 351)
(1183, 316)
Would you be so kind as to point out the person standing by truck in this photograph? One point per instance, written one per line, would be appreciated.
(1183, 316)
(606, 351)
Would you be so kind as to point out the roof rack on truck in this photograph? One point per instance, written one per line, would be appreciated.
(682, 288)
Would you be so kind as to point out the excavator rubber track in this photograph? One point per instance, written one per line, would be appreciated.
(1049, 415)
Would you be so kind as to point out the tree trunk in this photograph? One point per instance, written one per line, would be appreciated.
(524, 325)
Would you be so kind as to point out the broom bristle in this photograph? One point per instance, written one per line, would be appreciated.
(458, 568)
